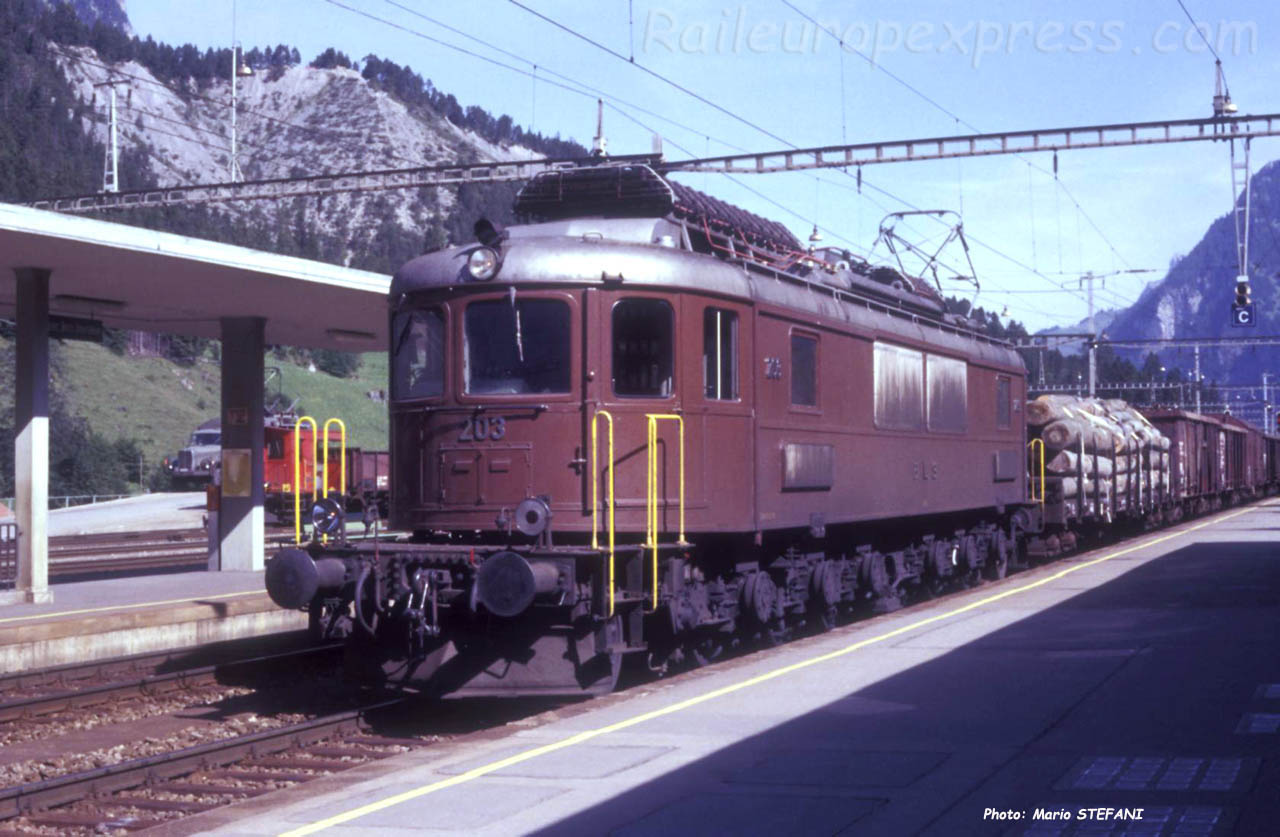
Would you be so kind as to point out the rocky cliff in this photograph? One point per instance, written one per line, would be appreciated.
(1195, 298)
(291, 120)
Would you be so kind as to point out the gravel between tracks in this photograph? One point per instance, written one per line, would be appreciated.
(35, 770)
(59, 724)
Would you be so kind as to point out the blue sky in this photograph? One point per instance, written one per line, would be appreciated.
(994, 65)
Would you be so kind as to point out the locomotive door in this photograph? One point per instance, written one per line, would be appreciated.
(670, 355)
(717, 394)
(633, 371)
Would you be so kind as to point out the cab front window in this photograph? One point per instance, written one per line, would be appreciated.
(516, 346)
(417, 350)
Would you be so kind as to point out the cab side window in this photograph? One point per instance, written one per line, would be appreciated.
(804, 370)
(720, 354)
(643, 356)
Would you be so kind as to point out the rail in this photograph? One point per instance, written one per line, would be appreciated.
(595, 496)
(651, 504)
(150, 683)
(119, 551)
(61, 790)
(1032, 446)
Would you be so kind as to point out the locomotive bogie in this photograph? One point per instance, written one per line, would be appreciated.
(525, 619)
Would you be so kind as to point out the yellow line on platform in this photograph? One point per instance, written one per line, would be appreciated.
(588, 735)
(189, 600)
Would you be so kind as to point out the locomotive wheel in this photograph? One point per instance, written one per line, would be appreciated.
(824, 584)
(874, 574)
(971, 561)
(758, 597)
(939, 572)
(998, 564)
(366, 605)
(824, 596)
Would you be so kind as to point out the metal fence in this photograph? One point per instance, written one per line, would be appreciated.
(67, 501)
(8, 556)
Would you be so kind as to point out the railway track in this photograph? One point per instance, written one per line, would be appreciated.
(71, 555)
(145, 791)
(40, 697)
(75, 555)
(173, 774)
(76, 687)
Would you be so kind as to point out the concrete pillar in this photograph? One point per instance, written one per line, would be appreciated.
(240, 517)
(31, 435)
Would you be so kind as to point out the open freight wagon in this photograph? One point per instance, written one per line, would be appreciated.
(1093, 461)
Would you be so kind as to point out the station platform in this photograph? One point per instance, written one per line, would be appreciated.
(102, 619)
(1134, 690)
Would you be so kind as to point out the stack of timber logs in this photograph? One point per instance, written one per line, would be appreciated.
(1099, 447)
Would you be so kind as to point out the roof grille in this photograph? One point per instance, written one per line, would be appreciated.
(614, 191)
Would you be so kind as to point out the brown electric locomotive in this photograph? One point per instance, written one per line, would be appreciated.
(647, 422)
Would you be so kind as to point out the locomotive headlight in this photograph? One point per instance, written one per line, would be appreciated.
(483, 264)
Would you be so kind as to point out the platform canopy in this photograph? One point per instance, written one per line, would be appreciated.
(135, 278)
(128, 277)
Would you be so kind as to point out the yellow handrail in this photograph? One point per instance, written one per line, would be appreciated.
(651, 527)
(342, 428)
(342, 470)
(595, 496)
(297, 471)
(1032, 445)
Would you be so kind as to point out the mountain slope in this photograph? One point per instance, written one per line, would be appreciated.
(293, 121)
(173, 115)
(1194, 299)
